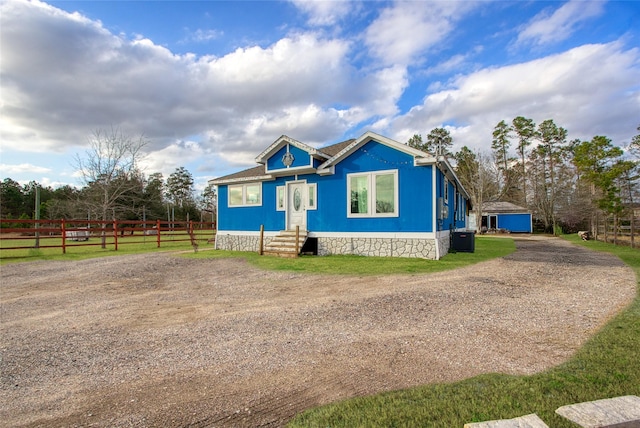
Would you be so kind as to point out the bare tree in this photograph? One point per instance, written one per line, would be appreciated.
(478, 175)
(109, 170)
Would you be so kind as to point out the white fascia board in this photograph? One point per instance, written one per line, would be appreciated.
(426, 160)
(326, 171)
(389, 235)
(245, 233)
(368, 136)
(243, 179)
(292, 171)
(283, 140)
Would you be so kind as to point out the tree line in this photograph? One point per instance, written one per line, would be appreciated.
(567, 185)
(113, 187)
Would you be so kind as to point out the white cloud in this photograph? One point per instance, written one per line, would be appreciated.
(403, 32)
(204, 35)
(96, 79)
(452, 64)
(548, 27)
(167, 159)
(324, 12)
(22, 168)
(64, 76)
(586, 90)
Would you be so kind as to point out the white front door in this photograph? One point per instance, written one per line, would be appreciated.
(296, 205)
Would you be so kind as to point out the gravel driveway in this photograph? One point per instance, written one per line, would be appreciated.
(159, 340)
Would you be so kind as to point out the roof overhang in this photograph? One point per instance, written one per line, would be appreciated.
(282, 141)
(218, 182)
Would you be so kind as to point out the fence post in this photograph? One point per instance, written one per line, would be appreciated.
(261, 245)
(158, 232)
(64, 237)
(115, 234)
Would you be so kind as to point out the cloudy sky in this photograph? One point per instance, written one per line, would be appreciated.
(211, 84)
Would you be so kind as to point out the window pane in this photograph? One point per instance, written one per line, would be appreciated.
(385, 200)
(312, 196)
(253, 194)
(235, 195)
(281, 197)
(359, 197)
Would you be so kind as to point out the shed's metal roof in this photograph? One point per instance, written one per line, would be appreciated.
(503, 207)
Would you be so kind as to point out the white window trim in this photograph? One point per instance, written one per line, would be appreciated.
(284, 198)
(372, 195)
(446, 191)
(313, 206)
(244, 195)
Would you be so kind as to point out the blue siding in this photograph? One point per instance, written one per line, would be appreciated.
(515, 222)
(300, 158)
(415, 199)
(250, 218)
(456, 216)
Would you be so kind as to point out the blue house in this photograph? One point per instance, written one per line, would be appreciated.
(368, 196)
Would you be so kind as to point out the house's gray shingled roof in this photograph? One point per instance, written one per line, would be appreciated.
(334, 149)
(256, 171)
(259, 170)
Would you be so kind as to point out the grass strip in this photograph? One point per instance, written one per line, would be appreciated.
(606, 366)
(486, 248)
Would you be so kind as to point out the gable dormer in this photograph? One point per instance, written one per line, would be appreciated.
(288, 156)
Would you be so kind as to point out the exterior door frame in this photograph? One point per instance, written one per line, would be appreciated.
(493, 221)
(291, 213)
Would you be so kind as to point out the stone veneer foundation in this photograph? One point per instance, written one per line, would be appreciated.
(381, 247)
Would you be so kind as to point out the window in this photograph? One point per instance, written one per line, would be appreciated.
(311, 192)
(446, 191)
(280, 198)
(461, 212)
(373, 194)
(242, 195)
(235, 195)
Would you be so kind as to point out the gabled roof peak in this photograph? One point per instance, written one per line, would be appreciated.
(283, 140)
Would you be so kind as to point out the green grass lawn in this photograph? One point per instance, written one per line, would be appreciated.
(486, 248)
(607, 366)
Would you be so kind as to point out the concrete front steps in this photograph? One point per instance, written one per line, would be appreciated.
(284, 244)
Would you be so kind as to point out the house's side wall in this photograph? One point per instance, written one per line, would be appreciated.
(518, 223)
(456, 215)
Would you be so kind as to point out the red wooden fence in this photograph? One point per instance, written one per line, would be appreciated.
(58, 233)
